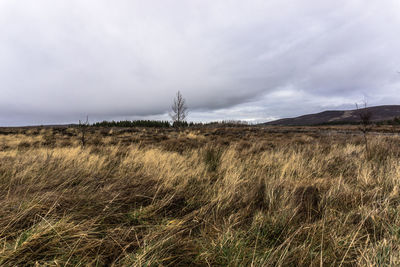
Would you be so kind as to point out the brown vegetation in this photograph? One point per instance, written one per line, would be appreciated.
(205, 197)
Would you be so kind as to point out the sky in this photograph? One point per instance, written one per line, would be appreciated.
(253, 60)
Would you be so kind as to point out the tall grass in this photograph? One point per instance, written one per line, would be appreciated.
(308, 202)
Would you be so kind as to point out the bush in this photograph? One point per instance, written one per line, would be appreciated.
(212, 158)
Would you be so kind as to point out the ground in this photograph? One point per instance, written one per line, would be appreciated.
(245, 196)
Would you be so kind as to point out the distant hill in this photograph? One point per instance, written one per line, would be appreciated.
(379, 113)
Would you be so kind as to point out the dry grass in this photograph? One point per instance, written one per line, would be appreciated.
(207, 197)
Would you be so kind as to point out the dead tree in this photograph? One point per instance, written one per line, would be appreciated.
(179, 110)
(83, 127)
(365, 115)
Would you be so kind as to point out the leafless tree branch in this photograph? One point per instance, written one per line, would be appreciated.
(179, 109)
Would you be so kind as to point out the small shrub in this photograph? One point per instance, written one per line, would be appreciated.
(212, 158)
(96, 141)
(49, 140)
(307, 200)
(24, 145)
(66, 143)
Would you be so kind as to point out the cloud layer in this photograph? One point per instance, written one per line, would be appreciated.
(252, 60)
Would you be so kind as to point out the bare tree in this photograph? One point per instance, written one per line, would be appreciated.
(83, 126)
(365, 115)
(179, 110)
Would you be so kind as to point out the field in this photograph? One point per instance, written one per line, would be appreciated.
(242, 196)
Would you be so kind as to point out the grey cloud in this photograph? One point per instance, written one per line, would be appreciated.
(255, 60)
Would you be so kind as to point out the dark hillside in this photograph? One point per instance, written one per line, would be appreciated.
(379, 113)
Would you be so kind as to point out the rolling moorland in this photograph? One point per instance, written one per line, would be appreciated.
(239, 196)
(379, 114)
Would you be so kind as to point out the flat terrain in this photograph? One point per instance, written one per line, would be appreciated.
(245, 196)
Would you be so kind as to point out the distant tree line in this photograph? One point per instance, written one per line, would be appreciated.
(395, 121)
(133, 123)
(224, 123)
(167, 124)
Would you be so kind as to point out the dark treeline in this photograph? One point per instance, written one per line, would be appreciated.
(395, 121)
(167, 124)
(135, 123)
(225, 123)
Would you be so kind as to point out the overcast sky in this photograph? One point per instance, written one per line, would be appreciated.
(253, 60)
